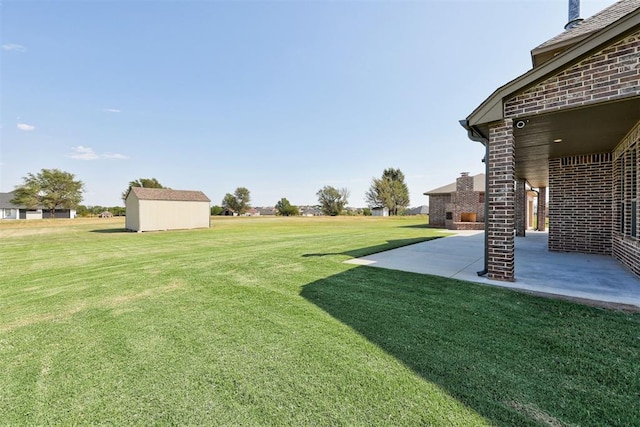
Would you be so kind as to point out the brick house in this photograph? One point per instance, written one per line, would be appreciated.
(572, 124)
(459, 205)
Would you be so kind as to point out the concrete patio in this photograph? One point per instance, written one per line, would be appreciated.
(460, 256)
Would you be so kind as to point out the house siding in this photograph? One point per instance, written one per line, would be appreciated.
(580, 201)
(610, 74)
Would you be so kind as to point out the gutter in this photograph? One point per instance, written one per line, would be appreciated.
(476, 136)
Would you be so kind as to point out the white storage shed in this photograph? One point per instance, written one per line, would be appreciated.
(153, 209)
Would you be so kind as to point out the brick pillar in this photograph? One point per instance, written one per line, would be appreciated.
(500, 231)
(521, 208)
(542, 208)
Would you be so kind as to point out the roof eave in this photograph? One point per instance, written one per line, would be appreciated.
(491, 110)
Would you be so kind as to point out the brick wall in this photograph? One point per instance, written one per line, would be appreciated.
(501, 221)
(580, 193)
(612, 73)
(437, 205)
(521, 207)
(542, 208)
(465, 200)
(626, 246)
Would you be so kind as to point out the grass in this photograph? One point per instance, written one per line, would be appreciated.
(257, 321)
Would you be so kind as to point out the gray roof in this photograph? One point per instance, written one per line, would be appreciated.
(478, 185)
(420, 210)
(168, 194)
(5, 201)
(594, 23)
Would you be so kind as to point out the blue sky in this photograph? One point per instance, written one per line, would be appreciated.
(281, 97)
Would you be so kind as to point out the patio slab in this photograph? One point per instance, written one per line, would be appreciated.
(461, 256)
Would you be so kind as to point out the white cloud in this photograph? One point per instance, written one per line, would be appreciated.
(14, 47)
(25, 127)
(114, 156)
(83, 153)
(86, 153)
(112, 110)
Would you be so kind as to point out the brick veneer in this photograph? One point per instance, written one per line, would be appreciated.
(465, 200)
(611, 73)
(437, 209)
(542, 208)
(521, 207)
(626, 247)
(580, 193)
(501, 221)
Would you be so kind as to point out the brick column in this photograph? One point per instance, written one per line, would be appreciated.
(521, 208)
(500, 231)
(542, 204)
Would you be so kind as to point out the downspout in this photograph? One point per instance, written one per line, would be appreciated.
(477, 137)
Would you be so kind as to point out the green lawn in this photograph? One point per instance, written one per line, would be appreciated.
(257, 321)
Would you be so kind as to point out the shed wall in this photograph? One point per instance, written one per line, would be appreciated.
(171, 215)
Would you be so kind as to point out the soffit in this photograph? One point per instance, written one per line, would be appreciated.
(586, 130)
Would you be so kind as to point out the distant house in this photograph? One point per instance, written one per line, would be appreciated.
(420, 210)
(380, 211)
(459, 205)
(153, 209)
(105, 214)
(8, 210)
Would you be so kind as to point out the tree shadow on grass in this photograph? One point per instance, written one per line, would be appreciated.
(391, 244)
(516, 359)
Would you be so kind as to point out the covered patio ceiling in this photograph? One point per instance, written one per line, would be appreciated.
(586, 130)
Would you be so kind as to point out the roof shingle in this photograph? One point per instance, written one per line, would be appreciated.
(594, 23)
(168, 194)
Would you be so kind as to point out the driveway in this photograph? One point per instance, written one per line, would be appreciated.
(592, 277)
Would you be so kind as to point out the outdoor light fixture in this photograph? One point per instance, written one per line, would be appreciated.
(557, 140)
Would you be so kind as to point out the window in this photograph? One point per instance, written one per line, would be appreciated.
(633, 165)
(628, 192)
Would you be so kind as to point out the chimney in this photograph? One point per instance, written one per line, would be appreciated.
(574, 14)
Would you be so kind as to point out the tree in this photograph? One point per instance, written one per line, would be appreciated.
(143, 183)
(332, 201)
(238, 201)
(390, 191)
(50, 188)
(284, 208)
(216, 210)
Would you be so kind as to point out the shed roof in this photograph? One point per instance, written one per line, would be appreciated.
(478, 185)
(5, 201)
(168, 194)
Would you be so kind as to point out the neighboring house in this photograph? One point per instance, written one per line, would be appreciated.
(420, 210)
(267, 211)
(571, 124)
(380, 211)
(459, 205)
(9, 210)
(152, 209)
(105, 214)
